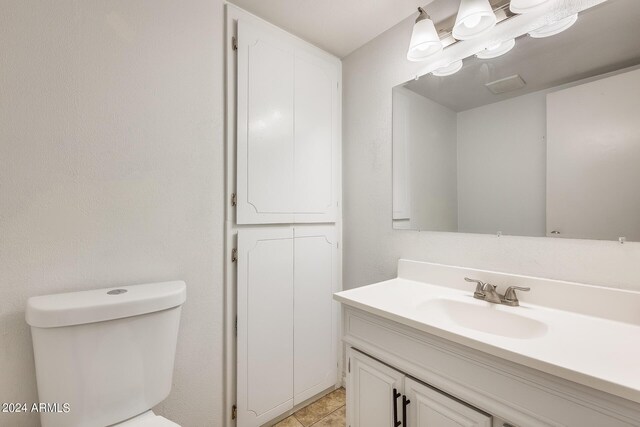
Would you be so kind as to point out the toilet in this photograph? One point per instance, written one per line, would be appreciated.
(105, 357)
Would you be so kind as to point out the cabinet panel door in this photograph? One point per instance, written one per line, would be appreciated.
(316, 94)
(315, 312)
(265, 133)
(370, 387)
(430, 408)
(265, 324)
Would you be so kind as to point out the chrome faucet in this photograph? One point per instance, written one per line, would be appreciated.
(487, 292)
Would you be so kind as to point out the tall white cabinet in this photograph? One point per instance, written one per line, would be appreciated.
(284, 221)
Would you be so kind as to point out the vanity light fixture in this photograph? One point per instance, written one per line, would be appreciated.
(475, 17)
(554, 28)
(448, 70)
(524, 6)
(496, 49)
(425, 41)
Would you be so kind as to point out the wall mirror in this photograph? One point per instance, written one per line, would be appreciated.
(542, 140)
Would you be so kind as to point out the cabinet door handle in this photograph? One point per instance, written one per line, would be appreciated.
(405, 403)
(395, 396)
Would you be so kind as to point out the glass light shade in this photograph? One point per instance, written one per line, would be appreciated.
(475, 17)
(524, 6)
(554, 28)
(424, 40)
(448, 70)
(496, 50)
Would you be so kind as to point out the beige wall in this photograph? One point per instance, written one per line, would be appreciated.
(111, 172)
(372, 247)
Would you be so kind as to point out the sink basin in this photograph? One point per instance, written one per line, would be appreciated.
(484, 317)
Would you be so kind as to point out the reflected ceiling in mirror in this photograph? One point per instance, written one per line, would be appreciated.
(541, 141)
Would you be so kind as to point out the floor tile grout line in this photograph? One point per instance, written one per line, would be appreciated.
(293, 415)
(325, 417)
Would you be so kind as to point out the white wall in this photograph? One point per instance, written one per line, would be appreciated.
(429, 135)
(502, 166)
(372, 247)
(111, 172)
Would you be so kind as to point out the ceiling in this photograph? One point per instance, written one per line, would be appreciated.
(337, 26)
(604, 39)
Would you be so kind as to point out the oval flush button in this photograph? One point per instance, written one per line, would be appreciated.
(117, 292)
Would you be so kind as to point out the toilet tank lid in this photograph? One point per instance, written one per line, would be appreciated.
(77, 308)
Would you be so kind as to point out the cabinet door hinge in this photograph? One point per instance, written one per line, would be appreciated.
(234, 43)
(234, 255)
(236, 326)
(349, 367)
(234, 199)
(234, 412)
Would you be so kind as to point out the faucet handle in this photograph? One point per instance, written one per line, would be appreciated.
(510, 297)
(479, 292)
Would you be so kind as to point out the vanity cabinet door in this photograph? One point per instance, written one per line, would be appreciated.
(370, 391)
(431, 408)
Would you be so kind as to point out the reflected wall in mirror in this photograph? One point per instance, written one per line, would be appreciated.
(541, 141)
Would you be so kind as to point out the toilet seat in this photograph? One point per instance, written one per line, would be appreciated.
(147, 419)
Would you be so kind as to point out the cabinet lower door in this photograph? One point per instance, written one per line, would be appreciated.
(370, 391)
(315, 312)
(265, 324)
(430, 408)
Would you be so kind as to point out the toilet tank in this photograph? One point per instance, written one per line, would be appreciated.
(107, 354)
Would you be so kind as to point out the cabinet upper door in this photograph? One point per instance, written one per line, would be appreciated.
(370, 391)
(288, 129)
(430, 408)
(265, 126)
(315, 312)
(316, 138)
(265, 324)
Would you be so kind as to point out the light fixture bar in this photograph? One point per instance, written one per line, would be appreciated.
(445, 27)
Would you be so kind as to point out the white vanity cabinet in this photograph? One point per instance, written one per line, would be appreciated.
(287, 320)
(378, 395)
(288, 129)
(558, 363)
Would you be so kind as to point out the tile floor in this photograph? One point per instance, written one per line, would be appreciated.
(328, 411)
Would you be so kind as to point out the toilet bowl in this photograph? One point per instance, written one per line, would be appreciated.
(148, 419)
(107, 354)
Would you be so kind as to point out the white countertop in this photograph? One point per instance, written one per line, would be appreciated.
(602, 353)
